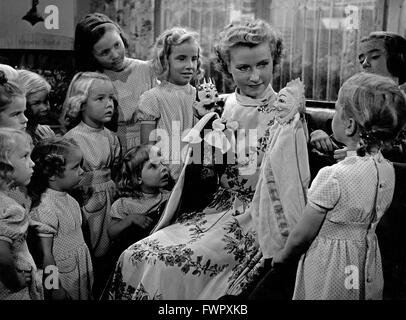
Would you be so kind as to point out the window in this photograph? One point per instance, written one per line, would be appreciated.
(321, 37)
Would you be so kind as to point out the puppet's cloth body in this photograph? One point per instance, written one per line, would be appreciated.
(280, 196)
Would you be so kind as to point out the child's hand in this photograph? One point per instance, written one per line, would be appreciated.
(44, 132)
(340, 154)
(321, 141)
(140, 220)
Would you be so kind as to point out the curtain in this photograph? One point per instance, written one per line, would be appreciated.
(321, 37)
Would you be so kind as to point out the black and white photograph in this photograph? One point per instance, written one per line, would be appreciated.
(214, 156)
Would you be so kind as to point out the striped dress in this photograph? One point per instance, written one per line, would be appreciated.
(137, 77)
(170, 107)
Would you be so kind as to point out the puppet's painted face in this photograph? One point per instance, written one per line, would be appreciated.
(285, 103)
(207, 93)
(207, 98)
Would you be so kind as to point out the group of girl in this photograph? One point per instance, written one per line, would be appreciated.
(71, 198)
(90, 194)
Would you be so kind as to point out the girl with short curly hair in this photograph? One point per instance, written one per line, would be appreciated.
(57, 220)
(168, 108)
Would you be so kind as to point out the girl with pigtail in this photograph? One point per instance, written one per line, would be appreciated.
(347, 200)
(57, 220)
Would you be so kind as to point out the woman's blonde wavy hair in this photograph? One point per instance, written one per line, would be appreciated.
(249, 34)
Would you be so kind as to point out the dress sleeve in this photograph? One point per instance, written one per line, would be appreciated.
(148, 107)
(12, 223)
(118, 210)
(325, 189)
(44, 221)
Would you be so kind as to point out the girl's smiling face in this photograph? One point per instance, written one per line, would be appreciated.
(251, 69)
(183, 62)
(99, 106)
(13, 115)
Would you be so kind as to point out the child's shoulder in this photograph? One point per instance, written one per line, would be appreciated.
(128, 204)
(6, 201)
(10, 208)
(72, 132)
(350, 167)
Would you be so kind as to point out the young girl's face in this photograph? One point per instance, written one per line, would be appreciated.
(251, 69)
(99, 106)
(183, 62)
(153, 176)
(38, 103)
(20, 158)
(13, 115)
(109, 51)
(73, 171)
(373, 57)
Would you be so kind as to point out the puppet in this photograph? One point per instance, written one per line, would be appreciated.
(281, 192)
(207, 99)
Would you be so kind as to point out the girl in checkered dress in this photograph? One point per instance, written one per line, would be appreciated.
(57, 219)
(91, 98)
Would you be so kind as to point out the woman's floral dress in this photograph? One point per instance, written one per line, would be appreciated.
(207, 253)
